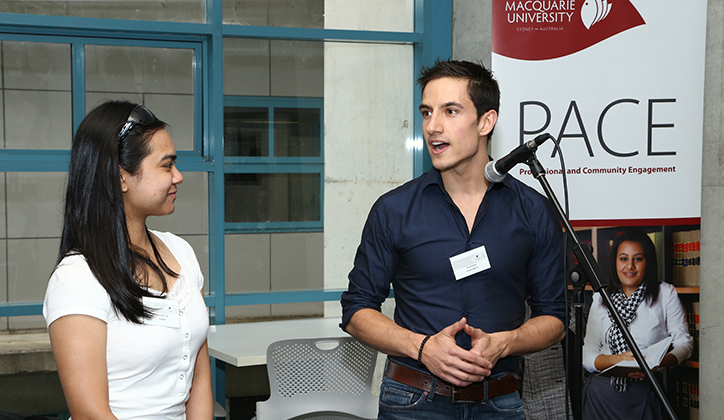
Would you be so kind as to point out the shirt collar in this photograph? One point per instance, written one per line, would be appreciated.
(434, 177)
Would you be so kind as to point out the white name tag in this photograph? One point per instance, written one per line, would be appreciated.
(165, 312)
(470, 262)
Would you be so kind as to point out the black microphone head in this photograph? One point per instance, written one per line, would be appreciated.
(492, 174)
(540, 139)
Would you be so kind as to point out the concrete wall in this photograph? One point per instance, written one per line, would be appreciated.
(368, 109)
(711, 385)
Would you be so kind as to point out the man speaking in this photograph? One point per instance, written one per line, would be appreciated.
(464, 255)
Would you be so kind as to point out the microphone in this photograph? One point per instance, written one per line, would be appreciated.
(496, 170)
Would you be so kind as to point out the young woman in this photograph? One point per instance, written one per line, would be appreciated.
(124, 308)
(652, 312)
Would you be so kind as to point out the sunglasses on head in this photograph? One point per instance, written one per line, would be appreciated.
(140, 115)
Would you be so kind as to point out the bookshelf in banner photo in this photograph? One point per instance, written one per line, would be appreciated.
(691, 308)
(686, 257)
(685, 398)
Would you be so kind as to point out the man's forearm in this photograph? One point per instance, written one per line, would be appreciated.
(383, 334)
(534, 335)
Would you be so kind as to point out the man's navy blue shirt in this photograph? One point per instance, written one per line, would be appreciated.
(413, 230)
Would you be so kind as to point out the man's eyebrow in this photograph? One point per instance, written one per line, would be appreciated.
(452, 103)
(445, 105)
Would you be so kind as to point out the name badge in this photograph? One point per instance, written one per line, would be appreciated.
(165, 312)
(470, 262)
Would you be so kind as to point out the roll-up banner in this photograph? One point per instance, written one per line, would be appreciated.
(620, 84)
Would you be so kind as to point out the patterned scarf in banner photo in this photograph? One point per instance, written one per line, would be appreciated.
(627, 309)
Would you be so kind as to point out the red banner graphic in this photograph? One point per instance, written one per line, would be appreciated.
(547, 29)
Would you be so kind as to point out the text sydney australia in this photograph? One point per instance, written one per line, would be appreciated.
(540, 11)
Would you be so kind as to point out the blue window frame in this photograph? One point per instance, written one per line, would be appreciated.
(270, 141)
(432, 37)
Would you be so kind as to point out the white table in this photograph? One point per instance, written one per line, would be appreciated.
(245, 344)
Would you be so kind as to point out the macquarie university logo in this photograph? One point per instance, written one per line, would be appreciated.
(594, 11)
(547, 29)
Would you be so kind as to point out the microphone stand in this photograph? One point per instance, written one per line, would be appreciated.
(589, 269)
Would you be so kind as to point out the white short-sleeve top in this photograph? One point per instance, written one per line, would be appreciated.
(150, 368)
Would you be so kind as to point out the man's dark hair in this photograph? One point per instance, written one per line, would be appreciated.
(483, 89)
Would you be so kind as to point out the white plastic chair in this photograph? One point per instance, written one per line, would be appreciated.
(323, 378)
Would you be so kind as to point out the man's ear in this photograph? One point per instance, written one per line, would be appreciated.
(487, 122)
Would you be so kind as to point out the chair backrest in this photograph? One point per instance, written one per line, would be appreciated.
(319, 375)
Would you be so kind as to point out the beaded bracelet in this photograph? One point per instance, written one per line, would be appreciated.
(419, 352)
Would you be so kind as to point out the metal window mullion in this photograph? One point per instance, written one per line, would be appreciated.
(273, 101)
(296, 296)
(319, 34)
(199, 83)
(213, 146)
(19, 23)
(270, 124)
(433, 21)
(77, 72)
(274, 168)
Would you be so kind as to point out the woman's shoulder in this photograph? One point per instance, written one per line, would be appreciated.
(73, 262)
(667, 289)
(667, 286)
(73, 289)
(73, 271)
(597, 299)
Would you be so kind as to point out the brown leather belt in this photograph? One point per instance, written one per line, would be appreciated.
(478, 391)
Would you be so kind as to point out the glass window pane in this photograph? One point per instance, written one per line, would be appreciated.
(297, 68)
(160, 78)
(365, 15)
(297, 132)
(154, 10)
(370, 15)
(32, 214)
(273, 262)
(246, 131)
(255, 67)
(246, 67)
(288, 13)
(275, 197)
(34, 204)
(36, 93)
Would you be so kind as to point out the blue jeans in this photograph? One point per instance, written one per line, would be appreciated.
(403, 402)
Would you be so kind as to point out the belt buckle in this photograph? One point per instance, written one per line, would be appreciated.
(454, 391)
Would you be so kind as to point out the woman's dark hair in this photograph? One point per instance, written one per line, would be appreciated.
(651, 274)
(483, 89)
(94, 223)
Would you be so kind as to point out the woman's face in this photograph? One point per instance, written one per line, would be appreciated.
(152, 191)
(630, 266)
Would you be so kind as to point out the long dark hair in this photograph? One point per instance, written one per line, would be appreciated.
(651, 274)
(94, 223)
